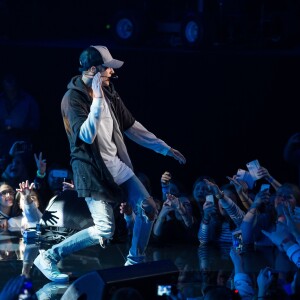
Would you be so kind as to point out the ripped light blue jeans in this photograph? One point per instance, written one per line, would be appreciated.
(103, 217)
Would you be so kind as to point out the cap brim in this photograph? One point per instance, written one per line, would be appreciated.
(115, 64)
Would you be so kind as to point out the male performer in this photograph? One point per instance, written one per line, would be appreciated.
(95, 119)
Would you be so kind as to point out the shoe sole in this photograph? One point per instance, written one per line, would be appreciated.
(37, 263)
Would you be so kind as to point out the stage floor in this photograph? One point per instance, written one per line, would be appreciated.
(197, 266)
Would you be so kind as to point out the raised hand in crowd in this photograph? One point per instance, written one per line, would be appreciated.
(176, 213)
(227, 205)
(227, 216)
(41, 164)
(40, 182)
(166, 178)
(68, 186)
(249, 223)
(165, 184)
(264, 280)
(261, 198)
(241, 188)
(164, 212)
(214, 189)
(29, 203)
(240, 185)
(209, 211)
(24, 190)
(262, 172)
(237, 261)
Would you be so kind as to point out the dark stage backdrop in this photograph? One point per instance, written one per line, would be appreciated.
(220, 108)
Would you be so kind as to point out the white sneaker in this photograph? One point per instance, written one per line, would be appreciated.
(49, 268)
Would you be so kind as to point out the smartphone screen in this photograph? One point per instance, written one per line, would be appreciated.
(264, 187)
(237, 241)
(246, 177)
(209, 198)
(252, 167)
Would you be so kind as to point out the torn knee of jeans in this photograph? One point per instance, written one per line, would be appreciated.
(150, 208)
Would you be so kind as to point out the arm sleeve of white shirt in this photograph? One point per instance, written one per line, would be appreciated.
(32, 213)
(139, 134)
(88, 129)
(15, 222)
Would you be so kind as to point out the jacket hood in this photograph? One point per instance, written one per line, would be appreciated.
(76, 83)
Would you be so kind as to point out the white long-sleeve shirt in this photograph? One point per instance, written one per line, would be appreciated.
(100, 123)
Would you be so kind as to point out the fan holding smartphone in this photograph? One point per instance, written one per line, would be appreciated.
(209, 208)
(221, 215)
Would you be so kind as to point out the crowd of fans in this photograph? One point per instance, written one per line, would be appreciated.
(267, 216)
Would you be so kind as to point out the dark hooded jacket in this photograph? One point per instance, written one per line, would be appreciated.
(91, 176)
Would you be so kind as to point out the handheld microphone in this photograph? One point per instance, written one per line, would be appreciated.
(113, 76)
